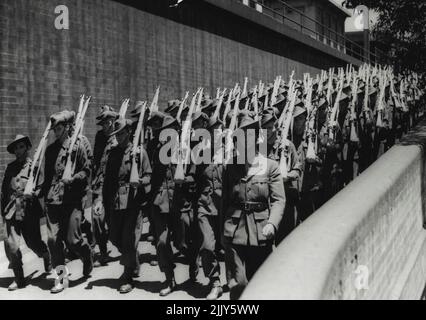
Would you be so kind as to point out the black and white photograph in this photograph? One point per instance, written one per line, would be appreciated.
(210, 151)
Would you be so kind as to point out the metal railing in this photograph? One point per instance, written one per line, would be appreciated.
(316, 30)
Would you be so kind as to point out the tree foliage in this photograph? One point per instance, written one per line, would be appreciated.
(401, 30)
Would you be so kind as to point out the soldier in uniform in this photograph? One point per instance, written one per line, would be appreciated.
(86, 225)
(102, 136)
(294, 171)
(163, 209)
(63, 199)
(253, 206)
(22, 216)
(100, 216)
(209, 194)
(124, 200)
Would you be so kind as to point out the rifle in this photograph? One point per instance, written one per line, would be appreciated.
(288, 114)
(123, 108)
(335, 111)
(353, 135)
(379, 101)
(200, 96)
(229, 132)
(137, 139)
(275, 90)
(69, 166)
(182, 104)
(184, 155)
(38, 158)
(219, 105)
(228, 105)
(154, 104)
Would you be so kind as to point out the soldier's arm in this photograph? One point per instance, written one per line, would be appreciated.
(146, 171)
(296, 165)
(276, 195)
(5, 189)
(82, 171)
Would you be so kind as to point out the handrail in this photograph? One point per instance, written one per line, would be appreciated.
(340, 41)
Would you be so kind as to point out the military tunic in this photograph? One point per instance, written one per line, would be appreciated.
(252, 198)
(124, 201)
(22, 216)
(64, 202)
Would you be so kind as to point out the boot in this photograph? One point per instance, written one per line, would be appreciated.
(216, 290)
(127, 280)
(61, 281)
(19, 281)
(47, 263)
(88, 264)
(104, 257)
(193, 271)
(170, 285)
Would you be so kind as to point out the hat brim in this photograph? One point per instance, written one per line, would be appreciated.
(254, 124)
(11, 146)
(118, 131)
(168, 125)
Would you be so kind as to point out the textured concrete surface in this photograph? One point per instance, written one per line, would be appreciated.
(368, 242)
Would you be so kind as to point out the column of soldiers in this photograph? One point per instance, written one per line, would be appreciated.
(320, 133)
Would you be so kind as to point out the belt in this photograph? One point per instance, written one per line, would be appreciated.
(253, 206)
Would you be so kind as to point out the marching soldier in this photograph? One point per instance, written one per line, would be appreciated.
(209, 195)
(253, 205)
(102, 136)
(63, 198)
(294, 171)
(124, 200)
(100, 216)
(163, 208)
(22, 216)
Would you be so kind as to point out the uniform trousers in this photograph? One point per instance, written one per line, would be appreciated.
(162, 222)
(209, 228)
(245, 260)
(125, 232)
(29, 229)
(64, 225)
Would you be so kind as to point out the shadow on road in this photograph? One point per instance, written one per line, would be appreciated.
(150, 286)
(194, 289)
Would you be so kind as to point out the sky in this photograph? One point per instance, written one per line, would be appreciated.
(349, 24)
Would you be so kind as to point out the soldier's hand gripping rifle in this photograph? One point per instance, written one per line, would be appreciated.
(70, 165)
(184, 151)
(36, 163)
(137, 143)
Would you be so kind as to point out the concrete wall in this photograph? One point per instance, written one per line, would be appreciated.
(371, 234)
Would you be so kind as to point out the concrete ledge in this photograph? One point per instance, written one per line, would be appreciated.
(368, 242)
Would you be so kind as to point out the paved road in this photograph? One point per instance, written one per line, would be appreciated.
(103, 283)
